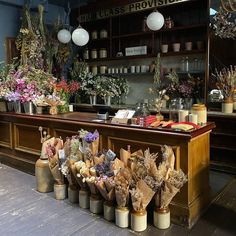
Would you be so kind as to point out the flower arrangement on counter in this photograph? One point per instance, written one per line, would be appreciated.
(135, 177)
(226, 81)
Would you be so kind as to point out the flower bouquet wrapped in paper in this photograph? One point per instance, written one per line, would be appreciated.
(91, 142)
(171, 186)
(122, 182)
(141, 195)
(52, 150)
(106, 187)
(82, 172)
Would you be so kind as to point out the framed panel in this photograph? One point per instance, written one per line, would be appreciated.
(6, 134)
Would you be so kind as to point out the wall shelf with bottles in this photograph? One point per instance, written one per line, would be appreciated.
(185, 23)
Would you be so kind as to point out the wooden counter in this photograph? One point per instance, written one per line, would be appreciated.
(20, 146)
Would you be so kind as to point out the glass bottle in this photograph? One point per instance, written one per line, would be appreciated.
(186, 64)
(183, 64)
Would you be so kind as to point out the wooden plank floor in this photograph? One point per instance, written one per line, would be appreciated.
(24, 211)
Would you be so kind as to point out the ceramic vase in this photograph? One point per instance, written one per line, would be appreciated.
(60, 191)
(161, 218)
(122, 217)
(228, 106)
(138, 220)
(73, 194)
(96, 204)
(109, 211)
(84, 199)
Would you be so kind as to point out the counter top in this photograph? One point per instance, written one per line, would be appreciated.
(84, 117)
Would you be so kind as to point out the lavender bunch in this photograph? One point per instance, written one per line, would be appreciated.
(91, 137)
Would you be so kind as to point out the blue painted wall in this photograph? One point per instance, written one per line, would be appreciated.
(10, 21)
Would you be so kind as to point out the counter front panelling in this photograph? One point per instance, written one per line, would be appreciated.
(191, 149)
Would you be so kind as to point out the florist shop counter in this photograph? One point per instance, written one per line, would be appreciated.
(20, 146)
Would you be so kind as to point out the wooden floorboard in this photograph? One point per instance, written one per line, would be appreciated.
(26, 212)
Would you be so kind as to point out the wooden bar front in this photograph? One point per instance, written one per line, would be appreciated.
(20, 146)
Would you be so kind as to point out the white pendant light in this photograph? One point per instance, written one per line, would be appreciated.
(80, 36)
(155, 20)
(64, 36)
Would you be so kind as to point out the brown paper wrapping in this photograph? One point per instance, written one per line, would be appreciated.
(169, 156)
(79, 180)
(98, 160)
(57, 175)
(94, 146)
(45, 144)
(108, 194)
(141, 196)
(124, 156)
(167, 194)
(117, 164)
(92, 187)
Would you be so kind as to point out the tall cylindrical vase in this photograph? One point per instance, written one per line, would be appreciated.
(107, 100)
(93, 99)
(17, 106)
(161, 218)
(28, 108)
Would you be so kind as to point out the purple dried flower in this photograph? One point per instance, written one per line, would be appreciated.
(91, 137)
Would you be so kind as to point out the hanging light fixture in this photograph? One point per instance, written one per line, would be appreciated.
(155, 21)
(64, 35)
(80, 36)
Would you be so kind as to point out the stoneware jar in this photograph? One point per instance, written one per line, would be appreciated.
(122, 217)
(138, 220)
(84, 199)
(44, 179)
(73, 194)
(96, 204)
(162, 218)
(103, 34)
(103, 53)
(109, 211)
(94, 34)
(227, 106)
(201, 112)
(60, 191)
(94, 54)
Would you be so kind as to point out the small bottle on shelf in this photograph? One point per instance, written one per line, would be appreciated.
(186, 64)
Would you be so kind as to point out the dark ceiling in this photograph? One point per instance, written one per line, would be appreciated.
(64, 3)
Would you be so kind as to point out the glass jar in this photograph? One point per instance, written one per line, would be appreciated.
(103, 34)
(103, 53)
(94, 54)
(86, 54)
(141, 112)
(201, 112)
(94, 34)
(94, 70)
(103, 69)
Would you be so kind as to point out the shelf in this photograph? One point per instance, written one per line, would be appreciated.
(121, 58)
(191, 72)
(146, 33)
(186, 27)
(183, 53)
(99, 40)
(147, 56)
(127, 74)
(132, 35)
